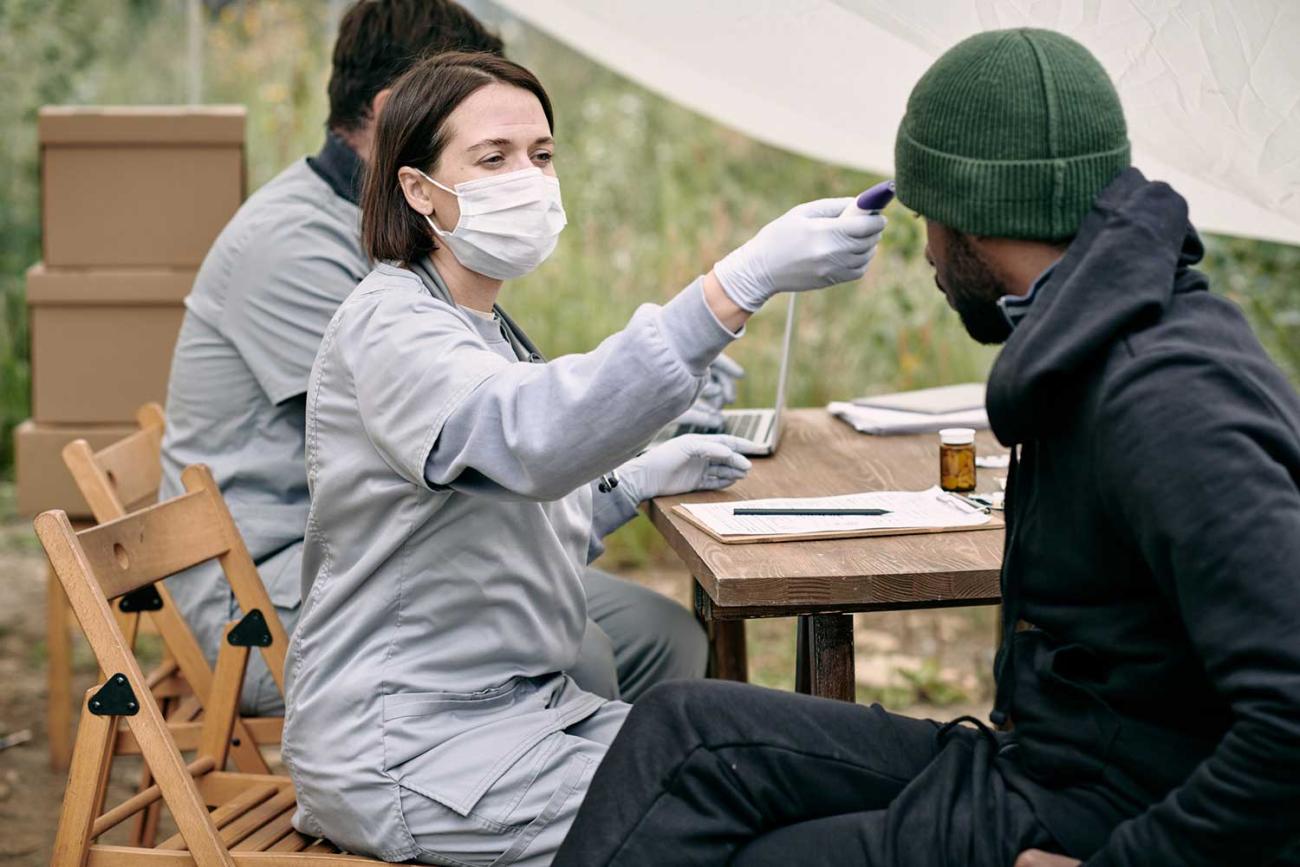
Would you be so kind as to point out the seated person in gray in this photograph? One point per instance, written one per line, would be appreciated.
(253, 324)
(431, 713)
(1152, 691)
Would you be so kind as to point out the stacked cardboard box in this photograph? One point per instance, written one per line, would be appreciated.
(132, 197)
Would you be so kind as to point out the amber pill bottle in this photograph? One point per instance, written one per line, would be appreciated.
(957, 459)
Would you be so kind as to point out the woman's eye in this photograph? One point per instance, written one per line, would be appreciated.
(542, 156)
(493, 160)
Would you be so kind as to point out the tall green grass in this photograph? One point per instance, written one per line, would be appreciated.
(655, 194)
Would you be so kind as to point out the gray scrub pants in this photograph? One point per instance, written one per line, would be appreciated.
(635, 638)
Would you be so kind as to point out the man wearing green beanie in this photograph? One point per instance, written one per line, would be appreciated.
(1148, 685)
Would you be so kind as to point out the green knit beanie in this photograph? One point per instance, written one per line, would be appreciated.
(1011, 134)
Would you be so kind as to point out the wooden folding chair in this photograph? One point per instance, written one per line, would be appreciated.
(223, 818)
(113, 480)
(129, 478)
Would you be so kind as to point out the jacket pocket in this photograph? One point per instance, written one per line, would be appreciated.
(1068, 727)
(541, 807)
(453, 747)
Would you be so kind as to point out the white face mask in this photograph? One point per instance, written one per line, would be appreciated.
(508, 223)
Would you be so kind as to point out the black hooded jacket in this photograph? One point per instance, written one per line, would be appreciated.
(1153, 544)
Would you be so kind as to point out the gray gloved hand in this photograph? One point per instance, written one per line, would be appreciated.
(718, 392)
(724, 372)
(695, 462)
(809, 247)
(703, 415)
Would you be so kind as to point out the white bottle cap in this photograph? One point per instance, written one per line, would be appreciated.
(957, 436)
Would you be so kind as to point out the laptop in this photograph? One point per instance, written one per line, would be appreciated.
(762, 427)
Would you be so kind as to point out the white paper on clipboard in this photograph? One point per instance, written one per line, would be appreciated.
(924, 511)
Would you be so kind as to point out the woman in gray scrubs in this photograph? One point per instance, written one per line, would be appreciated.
(460, 483)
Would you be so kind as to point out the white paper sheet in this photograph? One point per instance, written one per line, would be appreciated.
(943, 400)
(873, 420)
(908, 510)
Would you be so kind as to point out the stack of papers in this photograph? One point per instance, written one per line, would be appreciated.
(871, 420)
(943, 400)
(910, 512)
(925, 411)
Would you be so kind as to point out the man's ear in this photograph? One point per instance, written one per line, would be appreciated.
(981, 244)
(415, 190)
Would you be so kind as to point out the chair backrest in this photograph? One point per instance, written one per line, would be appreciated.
(127, 474)
(138, 549)
(124, 475)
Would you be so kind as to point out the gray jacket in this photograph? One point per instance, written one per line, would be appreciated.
(450, 522)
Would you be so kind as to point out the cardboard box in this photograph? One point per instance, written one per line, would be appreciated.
(101, 340)
(138, 186)
(43, 481)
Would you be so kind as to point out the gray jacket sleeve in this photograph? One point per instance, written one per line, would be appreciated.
(288, 278)
(539, 431)
(609, 511)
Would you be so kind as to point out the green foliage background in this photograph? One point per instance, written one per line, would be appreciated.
(654, 194)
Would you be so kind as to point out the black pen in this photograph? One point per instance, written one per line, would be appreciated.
(800, 512)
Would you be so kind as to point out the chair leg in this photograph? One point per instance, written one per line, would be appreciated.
(222, 709)
(58, 649)
(87, 779)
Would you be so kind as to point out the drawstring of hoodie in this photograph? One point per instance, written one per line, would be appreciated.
(988, 733)
(1004, 666)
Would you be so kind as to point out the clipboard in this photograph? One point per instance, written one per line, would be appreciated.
(994, 521)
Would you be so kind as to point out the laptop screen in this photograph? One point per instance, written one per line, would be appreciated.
(783, 376)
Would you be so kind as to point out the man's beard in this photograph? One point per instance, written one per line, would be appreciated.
(973, 291)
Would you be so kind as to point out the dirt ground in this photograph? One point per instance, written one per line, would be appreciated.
(926, 663)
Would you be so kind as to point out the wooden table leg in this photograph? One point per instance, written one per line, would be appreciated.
(826, 648)
(58, 660)
(727, 656)
(803, 655)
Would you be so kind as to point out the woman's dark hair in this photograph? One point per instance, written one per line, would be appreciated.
(380, 39)
(412, 131)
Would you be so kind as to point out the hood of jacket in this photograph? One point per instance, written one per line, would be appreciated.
(1133, 253)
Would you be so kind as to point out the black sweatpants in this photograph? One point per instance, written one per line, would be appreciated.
(714, 773)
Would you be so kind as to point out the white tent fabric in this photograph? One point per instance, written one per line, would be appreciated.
(1211, 88)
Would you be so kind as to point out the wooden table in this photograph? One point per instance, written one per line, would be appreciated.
(823, 582)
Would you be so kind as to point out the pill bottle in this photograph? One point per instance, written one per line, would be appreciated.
(957, 459)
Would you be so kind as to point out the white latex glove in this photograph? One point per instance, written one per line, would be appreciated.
(701, 415)
(718, 392)
(695, 462)
(724, 373)
(809, 247)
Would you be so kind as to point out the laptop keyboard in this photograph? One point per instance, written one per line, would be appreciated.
(743, 425)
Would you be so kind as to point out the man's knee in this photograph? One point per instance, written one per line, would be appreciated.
(596, 670)
(655, 639)
(679, 641)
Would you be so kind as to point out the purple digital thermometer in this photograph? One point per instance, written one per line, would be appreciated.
(873, 201)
